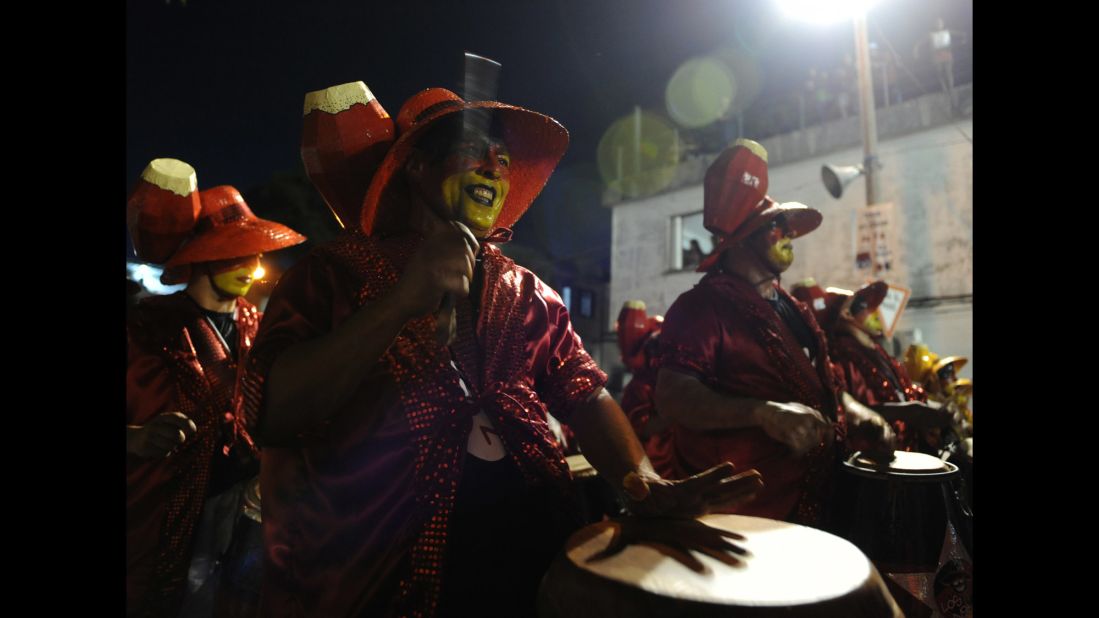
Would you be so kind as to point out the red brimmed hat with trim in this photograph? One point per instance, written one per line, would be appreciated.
(735, 201)
(872, 294)
(535, 142)
(809, 292)
(227, 229)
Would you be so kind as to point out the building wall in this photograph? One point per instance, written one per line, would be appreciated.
(927, 174)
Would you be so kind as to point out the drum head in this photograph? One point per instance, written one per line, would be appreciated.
(788, 566)
(913, 466)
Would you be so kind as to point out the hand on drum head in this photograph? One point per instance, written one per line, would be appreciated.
(872, 435)
(719, 488)
(673, 537)
(160, 436)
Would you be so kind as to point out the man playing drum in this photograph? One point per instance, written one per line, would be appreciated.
(744, 371)
(400, 384)
(853, 328)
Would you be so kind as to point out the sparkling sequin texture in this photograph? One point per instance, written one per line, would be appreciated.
(494, 355)
(204, 379)
(873, 377)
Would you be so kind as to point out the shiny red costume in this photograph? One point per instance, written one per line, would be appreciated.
(749, 352)
(356, 512)
(874, 377)
(176, 362)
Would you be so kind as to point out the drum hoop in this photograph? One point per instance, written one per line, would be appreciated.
(936, 476)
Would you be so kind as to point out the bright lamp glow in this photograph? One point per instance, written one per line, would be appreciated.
(825, 11)
(259, 273)
(149, 278)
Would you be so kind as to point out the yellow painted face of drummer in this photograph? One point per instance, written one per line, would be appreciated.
(872, 323)
(234, 277)
(476, 179)
(869, 321)
(776, 244)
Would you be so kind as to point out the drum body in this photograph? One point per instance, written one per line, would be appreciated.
(896, 515)
(789, 570)
(911, 520)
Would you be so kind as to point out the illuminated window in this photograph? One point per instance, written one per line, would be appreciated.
(691, 241)
(566, 296)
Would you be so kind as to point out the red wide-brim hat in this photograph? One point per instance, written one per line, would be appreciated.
(872, 294)
(227, 229)
(535, 142)
(801, 218)
(813, 295)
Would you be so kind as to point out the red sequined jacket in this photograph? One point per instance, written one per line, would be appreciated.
(725, 334)
(355, 512)
(874, 377)
(175, 362)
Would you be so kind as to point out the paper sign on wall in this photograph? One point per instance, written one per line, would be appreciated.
(876, 239)
(892, 307)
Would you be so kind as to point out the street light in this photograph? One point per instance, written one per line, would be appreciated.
(831, 11)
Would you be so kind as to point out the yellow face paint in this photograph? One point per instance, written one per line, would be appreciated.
(475, 183)
(235, 277)
(774, 243)
(780, 255)
(872, 324)
(475, 200)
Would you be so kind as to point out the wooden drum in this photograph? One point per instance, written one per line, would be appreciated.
(789, 570)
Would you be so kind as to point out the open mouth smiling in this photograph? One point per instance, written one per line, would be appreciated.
(482, 194)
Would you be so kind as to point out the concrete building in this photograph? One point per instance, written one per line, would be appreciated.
(927, 172)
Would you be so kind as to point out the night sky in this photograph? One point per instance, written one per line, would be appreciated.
(220, 83)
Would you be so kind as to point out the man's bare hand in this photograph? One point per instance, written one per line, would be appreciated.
(673, 537)
(719, 488)
(443, 265)
(160, 436)
(868, 431)
(794, 424)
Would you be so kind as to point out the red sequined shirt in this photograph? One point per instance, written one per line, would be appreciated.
(356, 512)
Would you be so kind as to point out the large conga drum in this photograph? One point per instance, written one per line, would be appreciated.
(788, 570)
(241, 574)
(904, 516)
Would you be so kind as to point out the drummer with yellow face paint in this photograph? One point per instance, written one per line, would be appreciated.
(853, 325)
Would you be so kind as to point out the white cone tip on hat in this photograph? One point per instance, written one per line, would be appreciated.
(336, 99)
(171, 175)
(752, 145)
